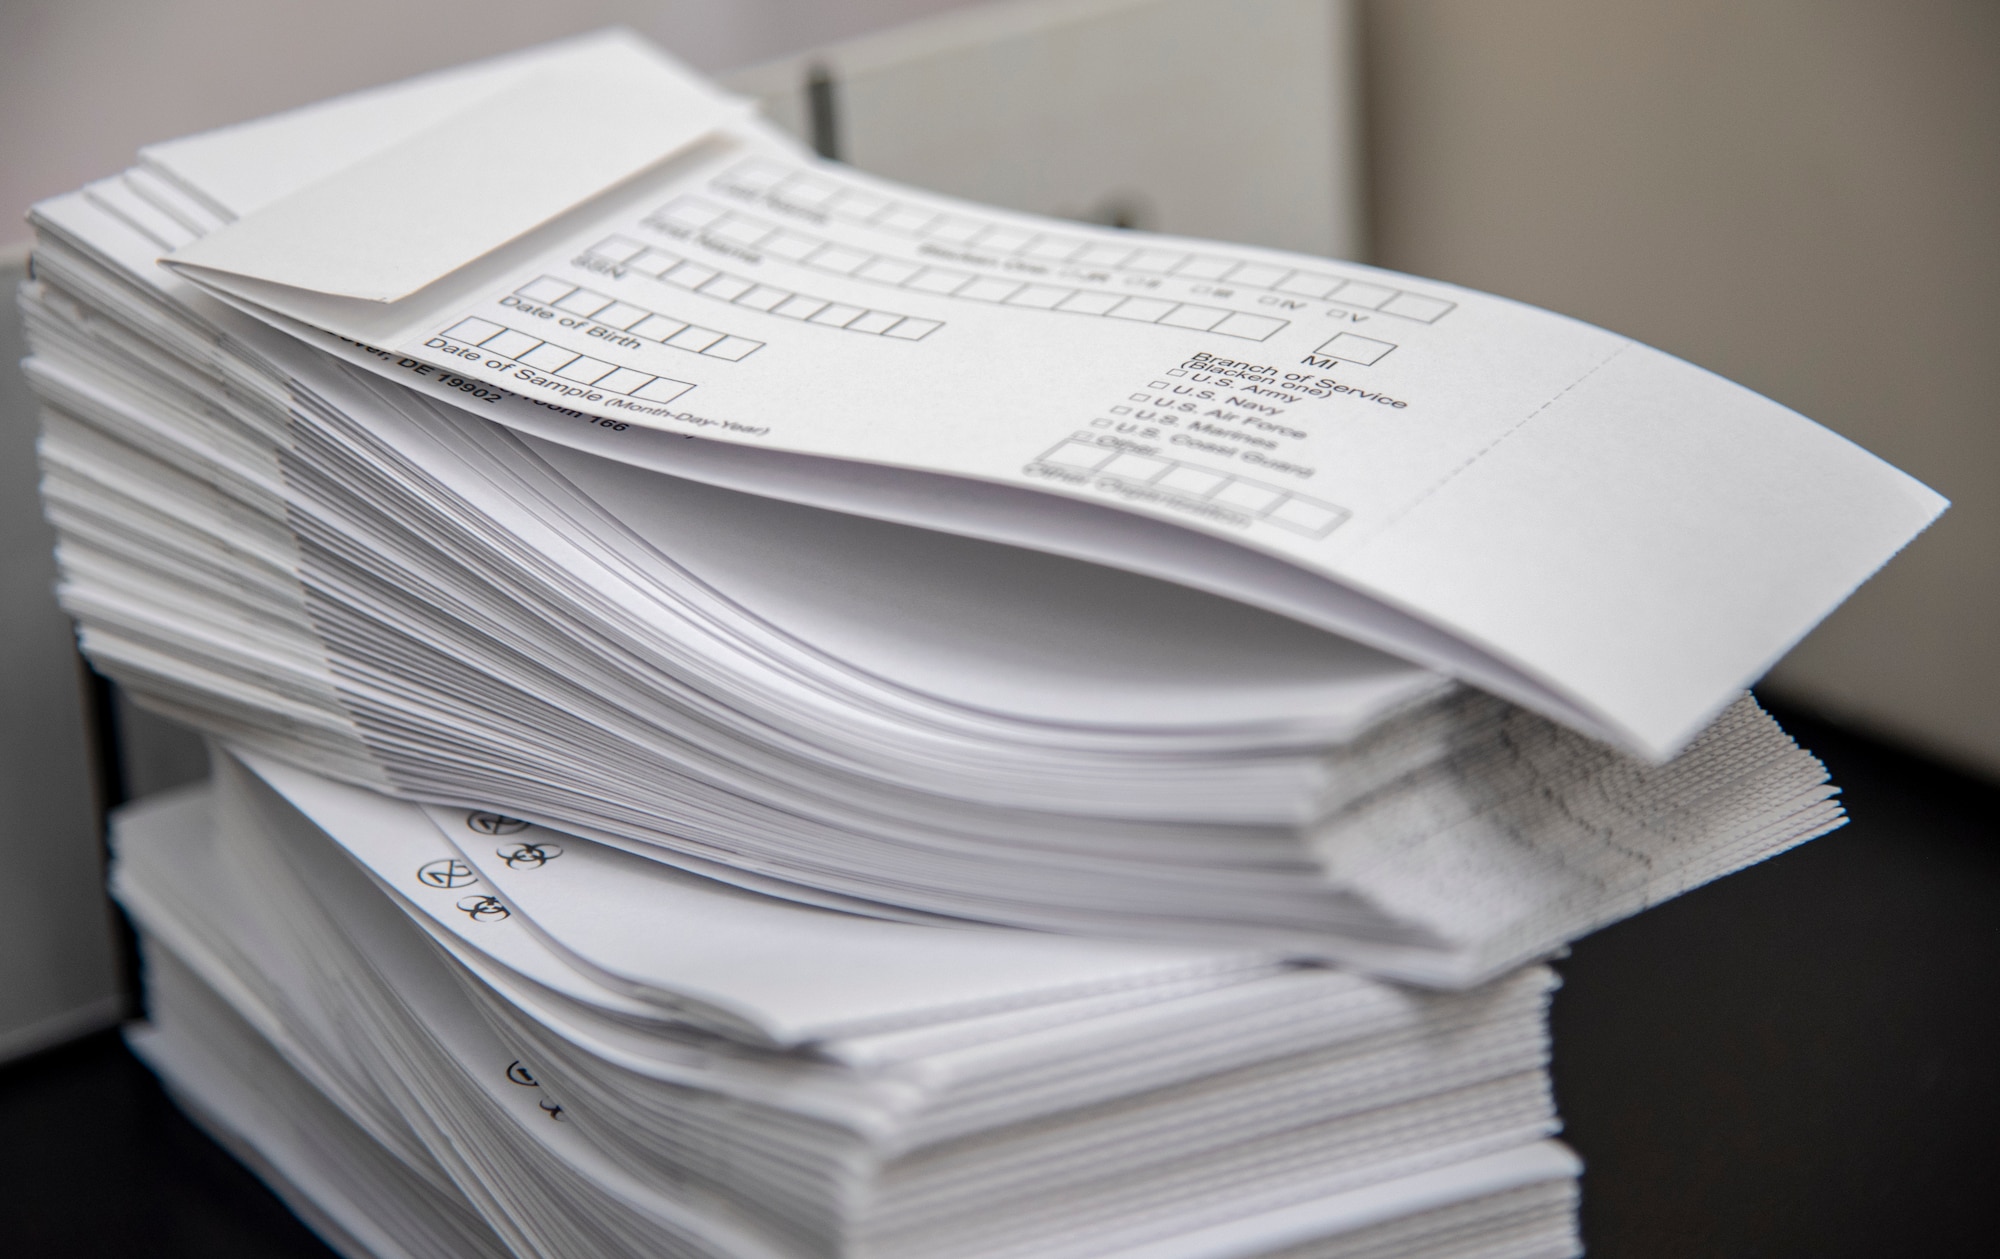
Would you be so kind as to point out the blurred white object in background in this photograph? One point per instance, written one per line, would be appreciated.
(1239, 122)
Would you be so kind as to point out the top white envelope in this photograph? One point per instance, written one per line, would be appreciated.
(590, 244)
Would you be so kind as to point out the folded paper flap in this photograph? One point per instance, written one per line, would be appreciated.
(243, 168)
(427, 204)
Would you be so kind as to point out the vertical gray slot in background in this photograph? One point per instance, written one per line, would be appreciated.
(823, 110)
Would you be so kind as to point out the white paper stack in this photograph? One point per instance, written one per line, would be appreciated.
(813, 554)
(450, 1034)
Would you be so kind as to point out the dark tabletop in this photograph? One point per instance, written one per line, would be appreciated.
(1798, 1060)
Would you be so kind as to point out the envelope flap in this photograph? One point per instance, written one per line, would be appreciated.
(241, 168)
(420, 208)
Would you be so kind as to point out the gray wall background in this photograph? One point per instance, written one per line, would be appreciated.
(1803, 195)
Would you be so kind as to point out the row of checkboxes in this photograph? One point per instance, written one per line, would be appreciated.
(696, 215)
(741, 291)
(610, 312)
(814, 192)
(531, 351)
(1269, 503)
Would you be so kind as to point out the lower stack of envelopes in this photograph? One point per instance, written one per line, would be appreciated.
(447, 1033)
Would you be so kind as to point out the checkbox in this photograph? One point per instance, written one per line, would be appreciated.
(1191, 480)
(625, 380)
(1249, 327)
(1159, 384)
(617, 249)
(695, 339)
(1411, 306)
(1041, 296)
(511, 344)
(1248, 495)
(1121, 410)
(874, 321)
(914, 329)
(474, 331)
(1308, 517)
(547, 289)
(1178, 372)
(1080, 456)
(1136, 467)
(1352, 348)
(1140, 397)
(1089, 302)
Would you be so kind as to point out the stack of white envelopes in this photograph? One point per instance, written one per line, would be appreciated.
(842, 574)
(449, 1033)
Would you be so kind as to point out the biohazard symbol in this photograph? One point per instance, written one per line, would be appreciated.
(528, 856)
(494, 823)
(483, 908)
(446, 872)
